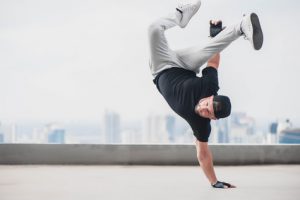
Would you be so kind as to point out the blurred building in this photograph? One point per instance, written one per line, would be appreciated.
(170, 125)
(55, 134)
(183, 132)
(131, 136)
(222, 130)
(213, 137)
(9, 133)
(40, 135)
(242, 128)
(1, 134)
(276, 130)
(1, 137)
(289, 136)
(286, 133)
(155, 129)
(283, 125)
(272, 137)
(112, 127)
(187, 137)
(273, 127)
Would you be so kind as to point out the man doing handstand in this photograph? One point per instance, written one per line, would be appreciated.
(195, 98)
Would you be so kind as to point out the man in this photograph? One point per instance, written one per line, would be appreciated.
(195, 98)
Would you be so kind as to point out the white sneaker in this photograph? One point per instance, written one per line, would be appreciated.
(187, 11)
(252, 31)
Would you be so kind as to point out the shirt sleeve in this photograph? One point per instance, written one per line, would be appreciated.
(210, 80)
(201, 128)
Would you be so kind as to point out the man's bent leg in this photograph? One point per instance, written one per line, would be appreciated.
(205, 160)
(195, 57)
(161, 56)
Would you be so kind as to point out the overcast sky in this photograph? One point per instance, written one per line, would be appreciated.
(66, 59)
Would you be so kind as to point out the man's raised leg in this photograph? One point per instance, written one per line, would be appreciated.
(162, 57)
(195, 57)
(249, 26)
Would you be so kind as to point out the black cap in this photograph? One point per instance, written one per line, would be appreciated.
(222, 106)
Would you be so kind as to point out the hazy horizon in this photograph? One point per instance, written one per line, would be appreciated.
(72, 60)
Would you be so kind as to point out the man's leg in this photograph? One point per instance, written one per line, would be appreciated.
(161, 56)
(195, 57)
(249, 26)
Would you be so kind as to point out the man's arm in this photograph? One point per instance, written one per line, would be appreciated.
(205, 160)
(215, 29)
(214, 61)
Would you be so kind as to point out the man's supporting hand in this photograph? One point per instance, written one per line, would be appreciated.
(206, 162)
(223, 185)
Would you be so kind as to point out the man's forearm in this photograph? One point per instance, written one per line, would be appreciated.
(205, 160)
(214, 61)
(206, 164)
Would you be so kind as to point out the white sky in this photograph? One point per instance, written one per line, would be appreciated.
(66, 59)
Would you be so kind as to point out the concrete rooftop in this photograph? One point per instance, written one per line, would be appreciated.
(67, 182)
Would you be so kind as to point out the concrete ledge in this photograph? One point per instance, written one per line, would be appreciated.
(86, 154)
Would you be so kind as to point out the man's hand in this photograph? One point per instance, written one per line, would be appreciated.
(215, 27)
(222, 185)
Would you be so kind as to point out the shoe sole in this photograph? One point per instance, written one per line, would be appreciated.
(258, 37)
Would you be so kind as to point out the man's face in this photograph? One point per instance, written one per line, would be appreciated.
(205, 109)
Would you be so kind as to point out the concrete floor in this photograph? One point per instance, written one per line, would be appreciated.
(35, 182)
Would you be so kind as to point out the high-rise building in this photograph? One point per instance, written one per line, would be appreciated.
(1, 138)
(289, 136)
(271, 137)
(131, 136)
(238, 134)
(55, 133)
(40, 135)
(283, 125)
(222, 130)
(187, 136)
(112, 127)
(56, 136)
(277, 128)
(1, 134)
(170, 125)
(155, 129)
(241, 128)
(213, 137)
(273, 127)
(9, 133)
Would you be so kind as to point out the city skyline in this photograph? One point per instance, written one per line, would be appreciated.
(239, 128)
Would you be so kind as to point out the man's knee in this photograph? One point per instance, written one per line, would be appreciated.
(155, 28)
